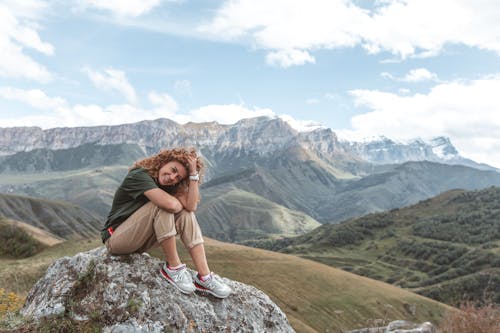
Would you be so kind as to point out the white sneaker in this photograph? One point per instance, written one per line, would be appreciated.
(212, 285)
(179, 278)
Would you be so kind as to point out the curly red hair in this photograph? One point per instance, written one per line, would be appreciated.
(154, 163)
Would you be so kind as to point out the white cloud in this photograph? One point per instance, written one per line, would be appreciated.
(15, 37)
(424, 27)
(288, 28)
(301, 125)
(61, 114)
(291, 29)
(35, 98)
(287, 58)
(467, 112)
(163, 102)
(225, 114)
(87, 115)
(123, 8)
(420, 74)
(414, 75)
(113, 79)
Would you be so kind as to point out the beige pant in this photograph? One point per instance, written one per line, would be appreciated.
(149, 226)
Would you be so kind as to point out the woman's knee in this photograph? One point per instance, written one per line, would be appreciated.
(164, 223)
(185, 220)
(185, 215)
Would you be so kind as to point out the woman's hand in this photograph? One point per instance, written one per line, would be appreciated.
(192, 159)
(190, 195)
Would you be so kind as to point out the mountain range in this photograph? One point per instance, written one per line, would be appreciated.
(263, 178)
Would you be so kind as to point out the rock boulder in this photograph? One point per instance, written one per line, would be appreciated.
(127, 294)
(400, 326)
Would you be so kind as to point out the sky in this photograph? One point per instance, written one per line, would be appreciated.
(402, 69)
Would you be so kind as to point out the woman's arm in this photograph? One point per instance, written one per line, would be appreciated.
(190, 195)
(164, 200)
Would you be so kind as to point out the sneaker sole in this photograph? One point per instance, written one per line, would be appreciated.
(205, 290)
(166, 277)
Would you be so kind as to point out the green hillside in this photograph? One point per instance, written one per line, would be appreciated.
(92, 189)
(237, 215)
(84, 156)
(62, 219)
(309, 187)
(15, 242)
(315, 297)
(447, 247)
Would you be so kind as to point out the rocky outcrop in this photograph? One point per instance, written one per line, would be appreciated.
(400, 326)
(127, 294)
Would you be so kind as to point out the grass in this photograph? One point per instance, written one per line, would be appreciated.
(472, 318)
(315, 297)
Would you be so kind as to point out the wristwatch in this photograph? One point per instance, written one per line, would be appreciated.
(194, 177)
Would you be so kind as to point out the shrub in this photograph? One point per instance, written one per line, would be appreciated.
(9, 302)
(472, 319)
(16, 242)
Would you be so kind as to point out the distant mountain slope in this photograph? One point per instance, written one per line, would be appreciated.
(447, 247)
(59, 218)
(298, 185)
(92, 189)
(16, 242)
(84, 156)
(236, 215)
(42, 236)
(402, 185)
(306, 186)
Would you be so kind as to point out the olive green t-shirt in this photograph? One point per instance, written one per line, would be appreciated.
(129, 197)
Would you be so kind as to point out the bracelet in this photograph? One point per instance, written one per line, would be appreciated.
(194, 177)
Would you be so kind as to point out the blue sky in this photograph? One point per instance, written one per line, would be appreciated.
(402, 69)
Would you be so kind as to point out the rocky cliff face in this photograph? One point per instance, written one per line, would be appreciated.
(127, 294)
(247, 138)
(387, 151)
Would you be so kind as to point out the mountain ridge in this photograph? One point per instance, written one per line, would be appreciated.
(261, 134)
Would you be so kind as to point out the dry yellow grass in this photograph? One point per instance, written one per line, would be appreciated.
(315, 297)
(471, 318)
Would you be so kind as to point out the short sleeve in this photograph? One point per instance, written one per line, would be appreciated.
(137, 182)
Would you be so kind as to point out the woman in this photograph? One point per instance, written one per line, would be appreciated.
(154, 203)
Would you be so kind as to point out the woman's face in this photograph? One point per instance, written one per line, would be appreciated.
(171, 173)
